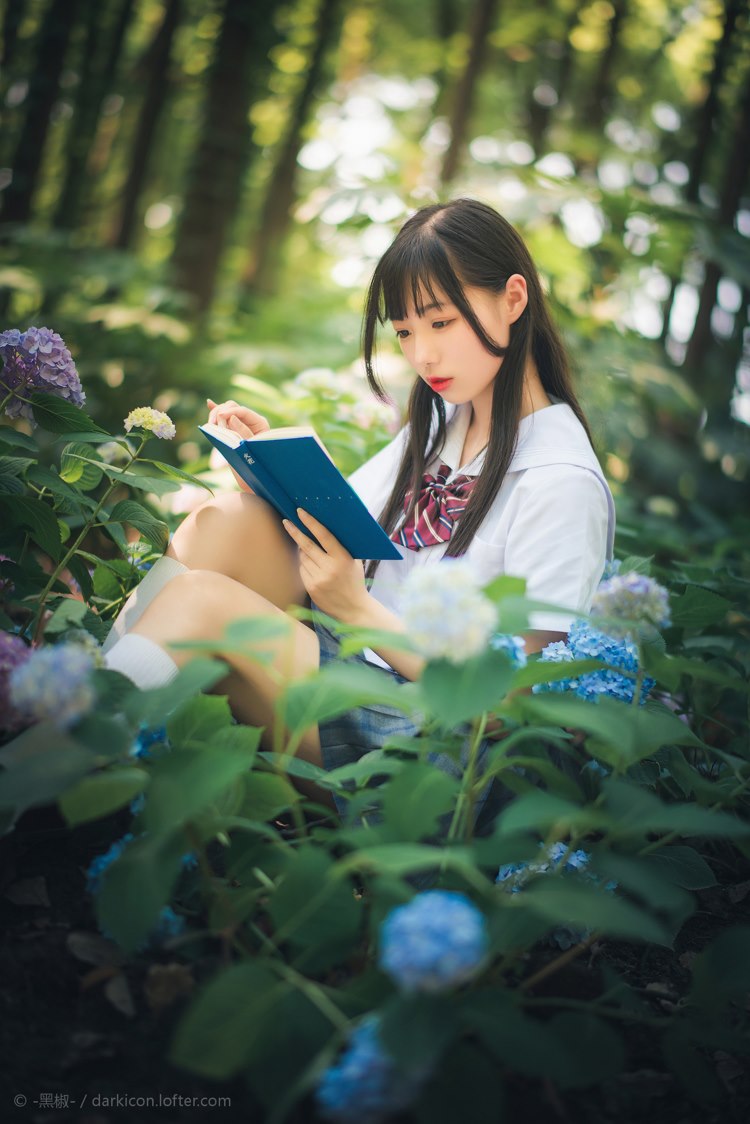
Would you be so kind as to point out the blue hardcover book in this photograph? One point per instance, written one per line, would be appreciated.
(290, 468)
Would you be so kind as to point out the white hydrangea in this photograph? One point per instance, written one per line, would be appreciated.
(445, 612)
(155, 421)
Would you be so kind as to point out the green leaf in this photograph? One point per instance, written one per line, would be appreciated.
(505, 586)
(268, 795)
(541, 811)
(40, 764)
(153, 530)
(137, 886)
(310, 909)
(187, 780)
(57, 415)
(594, 1051)
(455, 694)
(563, 902)
(465, 1077)
(340, 687)
(683, 866)
(721, 973)
(415, 799)
(81, 466)
(101, 794)
(216, 1036)
(408, 858)
(697, 607)
(416, 1029)
(634, 812)
(155, 705)
(524, 1044)
(175, 473)
(12, 438)
(626, 734)
(37, 518)
(198, 720)
(68, 613)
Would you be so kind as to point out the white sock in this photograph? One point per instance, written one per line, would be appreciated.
(142, 660)
(162, 571)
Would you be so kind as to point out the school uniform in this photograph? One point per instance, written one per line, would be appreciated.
(552, 523)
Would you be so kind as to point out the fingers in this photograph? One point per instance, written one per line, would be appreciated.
(303, 541)
(221, 413)
(329, 542)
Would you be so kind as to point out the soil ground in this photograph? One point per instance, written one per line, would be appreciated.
(76, 1034)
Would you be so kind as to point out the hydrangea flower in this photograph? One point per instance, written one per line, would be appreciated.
(154, 421)
(85, 641)
(36, 360)
(514, 877)
(147, 737)
(632, 598)
(513, 645)
(13, 654)
(587, 642)
(445, 612)
(436, 941)
(98, 866)
(319, 380)
(54, 684)
(364, 1086)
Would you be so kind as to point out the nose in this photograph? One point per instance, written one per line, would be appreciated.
(425, 351)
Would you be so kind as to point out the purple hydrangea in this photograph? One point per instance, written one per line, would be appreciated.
(13, 653)
(436, 941)
(636, 600)
(587, 642)
(36, 360)
(54, 684)
(364, 1086)
(513, 645)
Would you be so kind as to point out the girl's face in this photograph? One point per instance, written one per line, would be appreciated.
(445, 351)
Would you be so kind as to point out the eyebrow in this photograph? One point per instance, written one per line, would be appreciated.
(427, 308)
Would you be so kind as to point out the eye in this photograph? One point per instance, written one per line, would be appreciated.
(402, 333)
(440, 324)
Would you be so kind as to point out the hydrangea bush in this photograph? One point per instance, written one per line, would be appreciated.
(404, 941)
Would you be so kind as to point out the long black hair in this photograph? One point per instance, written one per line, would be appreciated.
(445, 247)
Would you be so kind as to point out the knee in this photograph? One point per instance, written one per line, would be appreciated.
(230, 519)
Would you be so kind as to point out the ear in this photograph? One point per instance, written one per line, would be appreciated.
(516, 296)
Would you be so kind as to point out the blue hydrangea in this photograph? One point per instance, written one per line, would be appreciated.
(513, 645)
(611, 567)
(635, 599)
(514, 877)
(137, 804)
(587, 642)
(364, 1086)
(36, 360)
(147, 737)
(54, 684)
(98, 866)
(170, 924)
(436, 941)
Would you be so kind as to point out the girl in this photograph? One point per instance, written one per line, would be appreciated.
(495, 463)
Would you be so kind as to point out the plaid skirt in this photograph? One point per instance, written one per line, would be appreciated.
(347, 738)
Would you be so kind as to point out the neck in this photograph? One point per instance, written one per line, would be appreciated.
(534, 398)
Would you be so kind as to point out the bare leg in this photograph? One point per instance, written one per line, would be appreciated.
(240, 535)
(198, 605)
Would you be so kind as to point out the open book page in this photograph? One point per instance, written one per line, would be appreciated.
(233, 440)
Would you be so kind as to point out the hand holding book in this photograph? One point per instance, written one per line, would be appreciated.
(290, 468)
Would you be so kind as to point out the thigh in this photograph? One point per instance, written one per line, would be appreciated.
(198, 605)
(240, 535)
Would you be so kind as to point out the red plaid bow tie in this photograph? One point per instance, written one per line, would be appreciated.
(437, 508)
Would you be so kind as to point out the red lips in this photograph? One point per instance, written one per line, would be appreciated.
(439, 385)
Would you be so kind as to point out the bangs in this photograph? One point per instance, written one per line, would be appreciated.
(417, 273)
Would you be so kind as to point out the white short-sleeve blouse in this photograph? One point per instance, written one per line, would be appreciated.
(552, 522)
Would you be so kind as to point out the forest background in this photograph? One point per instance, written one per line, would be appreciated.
(193, 195)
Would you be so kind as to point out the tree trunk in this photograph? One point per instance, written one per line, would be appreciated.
(482, 20)
(712, 391)
(223, 149)
(11, 22)
(603, 82)
(702, 131)
(446, 26)
(265, 257)
(97, 75)
(540, 115)
(156, 66)
(54, 35)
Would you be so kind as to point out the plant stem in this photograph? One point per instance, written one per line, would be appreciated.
(90, 522)
(466, 795)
